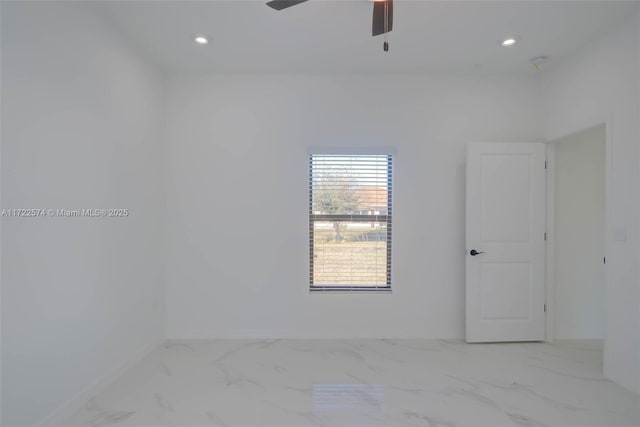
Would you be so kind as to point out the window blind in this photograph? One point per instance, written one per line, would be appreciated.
(350, 207)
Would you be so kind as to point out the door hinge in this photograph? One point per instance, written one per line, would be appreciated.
(545, 164)
(604, 260)
(545, 308)
(545, 235)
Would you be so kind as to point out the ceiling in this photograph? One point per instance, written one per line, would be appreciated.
(333, 36)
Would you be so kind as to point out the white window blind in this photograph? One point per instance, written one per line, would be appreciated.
(350, 222)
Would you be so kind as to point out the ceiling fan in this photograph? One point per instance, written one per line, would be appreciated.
(382, 15)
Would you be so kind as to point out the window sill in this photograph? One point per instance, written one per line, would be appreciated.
(350, 290)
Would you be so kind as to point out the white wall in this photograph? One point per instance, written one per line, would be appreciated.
(638, 121)
(81, 117)
(237, 262)
(600, 84)
(579, 235)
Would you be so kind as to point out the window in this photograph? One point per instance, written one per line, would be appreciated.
(350, 222)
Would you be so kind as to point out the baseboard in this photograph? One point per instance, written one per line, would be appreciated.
(74, 404)
(289, 334)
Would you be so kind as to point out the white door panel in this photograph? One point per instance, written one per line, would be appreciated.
(506, 221)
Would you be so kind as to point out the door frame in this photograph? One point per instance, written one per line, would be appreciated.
(550, 286)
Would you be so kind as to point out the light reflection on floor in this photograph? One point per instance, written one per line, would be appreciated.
(327, 397)
(352, 404)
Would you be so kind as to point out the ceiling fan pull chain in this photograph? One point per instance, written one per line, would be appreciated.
(385, 45)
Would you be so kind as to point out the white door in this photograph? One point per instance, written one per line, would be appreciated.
(505, 270)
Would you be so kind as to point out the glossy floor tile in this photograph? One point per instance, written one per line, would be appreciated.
(364, 383)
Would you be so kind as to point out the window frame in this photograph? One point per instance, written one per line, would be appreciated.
(387, 219)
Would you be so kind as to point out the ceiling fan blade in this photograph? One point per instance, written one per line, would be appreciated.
(378, 16)
(283, 4)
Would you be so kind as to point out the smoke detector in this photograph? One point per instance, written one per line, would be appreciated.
(539, 60)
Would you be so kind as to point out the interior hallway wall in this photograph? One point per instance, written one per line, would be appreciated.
(579, 235)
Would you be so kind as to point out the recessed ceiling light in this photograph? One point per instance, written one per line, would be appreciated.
(201, 40)
(509, 41)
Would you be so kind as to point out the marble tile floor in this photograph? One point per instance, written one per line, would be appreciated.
(364, 383)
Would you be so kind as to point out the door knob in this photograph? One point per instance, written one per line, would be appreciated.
(473, 252)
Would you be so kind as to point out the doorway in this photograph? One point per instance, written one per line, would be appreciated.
(578, 209)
